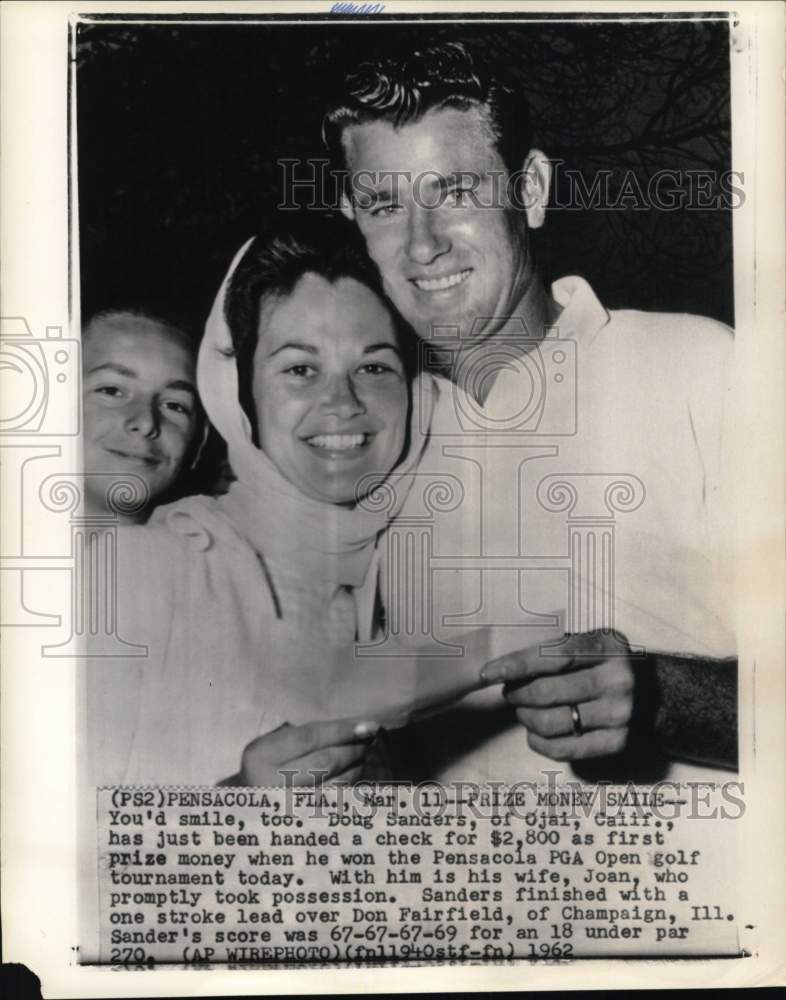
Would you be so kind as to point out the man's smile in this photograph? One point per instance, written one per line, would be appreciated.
(442, 282)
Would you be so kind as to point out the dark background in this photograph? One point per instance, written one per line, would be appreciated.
(180, 129)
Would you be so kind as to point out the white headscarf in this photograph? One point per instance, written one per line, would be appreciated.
(325, 541)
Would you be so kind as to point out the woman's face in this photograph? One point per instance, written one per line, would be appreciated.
(329, 387)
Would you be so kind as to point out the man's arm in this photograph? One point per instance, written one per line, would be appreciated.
(694, 712)
(595, 701)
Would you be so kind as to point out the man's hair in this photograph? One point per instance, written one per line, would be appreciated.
(271, 267)
(400, 87)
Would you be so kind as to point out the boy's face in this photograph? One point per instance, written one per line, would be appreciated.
(329, 387)
(140, 404)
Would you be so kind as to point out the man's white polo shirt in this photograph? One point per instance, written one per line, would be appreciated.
(591, 485)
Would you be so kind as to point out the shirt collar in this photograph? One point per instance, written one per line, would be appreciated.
(582, 314)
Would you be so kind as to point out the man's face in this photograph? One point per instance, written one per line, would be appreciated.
(140, 404)
(446, 265)
(329, 387)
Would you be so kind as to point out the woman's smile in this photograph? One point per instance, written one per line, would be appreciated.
(342, 445)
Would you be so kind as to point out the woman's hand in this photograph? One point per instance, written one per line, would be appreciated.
(306, 755)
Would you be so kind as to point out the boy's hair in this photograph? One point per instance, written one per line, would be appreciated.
(400, 85)
(274, 263)
(139, 317)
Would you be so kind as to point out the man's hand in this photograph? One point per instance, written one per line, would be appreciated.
(307, 754)
(575, 704)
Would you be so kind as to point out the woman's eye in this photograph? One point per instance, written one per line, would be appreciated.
(300, 371)
(178, 407)
(378, 368)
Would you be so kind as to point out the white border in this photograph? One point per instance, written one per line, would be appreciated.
(38, 818)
